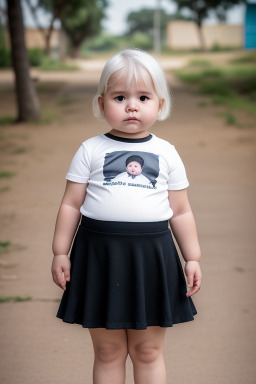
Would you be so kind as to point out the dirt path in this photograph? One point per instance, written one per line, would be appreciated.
(218, 347)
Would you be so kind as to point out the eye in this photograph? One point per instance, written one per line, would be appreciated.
(143, 98)
(119, 98)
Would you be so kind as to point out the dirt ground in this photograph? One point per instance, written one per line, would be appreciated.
(218, 347)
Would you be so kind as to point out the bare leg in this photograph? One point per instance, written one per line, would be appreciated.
(146, 351)
(110, 350)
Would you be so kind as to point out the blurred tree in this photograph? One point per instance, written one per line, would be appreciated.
(82, 21)
(28, 105)
(200, 9)
(143, 21)
(53, 7)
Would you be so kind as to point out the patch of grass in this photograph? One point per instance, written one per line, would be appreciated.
(202, 104)
(19, 150)
(55, 65)
(212, 87)
(200, 63)
(7, 120)
(233, 87)
(47, 116)
(195, 77)
(218, 48)
(8, 246)
(7, 174)
(190, 77)
(66, 101)
(246, 59)
(7, 299)
(4, 189)
(230, 119)
(4, 246)
(236, 102)
(48, 87)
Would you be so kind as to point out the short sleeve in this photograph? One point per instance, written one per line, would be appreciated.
(177, 175)
(79, 170)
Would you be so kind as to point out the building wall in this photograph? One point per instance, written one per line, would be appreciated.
(34, 39)
(184, 35)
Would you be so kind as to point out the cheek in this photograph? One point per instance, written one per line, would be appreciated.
(112, 112)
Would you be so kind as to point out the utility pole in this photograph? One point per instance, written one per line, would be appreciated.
(157, 27)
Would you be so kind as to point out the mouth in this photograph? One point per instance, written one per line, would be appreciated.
(131, 119)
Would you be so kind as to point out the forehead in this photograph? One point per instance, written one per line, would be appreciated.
(134, 162)
(141, 79)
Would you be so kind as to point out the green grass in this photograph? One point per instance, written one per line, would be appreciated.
(200, 63)
(66, 101)
(7, 120)
(230, 118)
(47, 87)
(5, 245)
(233, 87)
(19, 150)
(55, 65)
(7, 299)
(246, 59)
(7, 174)
(202, 104)
(4, 189)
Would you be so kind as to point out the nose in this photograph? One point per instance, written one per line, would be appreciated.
(131, 106)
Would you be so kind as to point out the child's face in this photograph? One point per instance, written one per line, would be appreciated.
(131, 110)
(134, 168)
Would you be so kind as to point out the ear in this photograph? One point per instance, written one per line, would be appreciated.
(101, 104)
(161, 104)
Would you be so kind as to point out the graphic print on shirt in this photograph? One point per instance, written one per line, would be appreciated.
(131, 168)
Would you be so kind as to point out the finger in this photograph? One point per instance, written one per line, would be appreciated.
(61, 280)
(55, 279)
(192, 292)
(67, 274)
(195, 288)
(190, 279)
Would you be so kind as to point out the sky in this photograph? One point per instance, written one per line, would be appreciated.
(117, 11)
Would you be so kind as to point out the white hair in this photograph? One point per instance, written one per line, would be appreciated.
(136, 63)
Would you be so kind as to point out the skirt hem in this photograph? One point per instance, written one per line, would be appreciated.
(137, 326)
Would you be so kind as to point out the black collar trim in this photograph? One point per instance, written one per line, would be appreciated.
(126, 140)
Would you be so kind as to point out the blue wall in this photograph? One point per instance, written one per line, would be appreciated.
(250, 26)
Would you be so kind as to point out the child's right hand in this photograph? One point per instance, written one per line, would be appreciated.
(61, 270)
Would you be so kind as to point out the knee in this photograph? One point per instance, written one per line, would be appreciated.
(144, 353)
(109, 353)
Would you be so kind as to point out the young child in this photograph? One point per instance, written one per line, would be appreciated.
(126, 282)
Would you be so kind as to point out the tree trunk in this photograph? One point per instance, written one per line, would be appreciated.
(75, 49)
(200, 31)
(28, 105)
(201, 37)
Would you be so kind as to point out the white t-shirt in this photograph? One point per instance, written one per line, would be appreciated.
(113, 194)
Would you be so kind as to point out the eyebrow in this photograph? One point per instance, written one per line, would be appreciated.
(121, 92)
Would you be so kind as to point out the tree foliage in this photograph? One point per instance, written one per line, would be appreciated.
(143, 21)
(54, 8)
(200, 9)
(80, 18)
(82, 21)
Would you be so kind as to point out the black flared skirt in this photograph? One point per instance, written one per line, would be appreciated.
(125, 276)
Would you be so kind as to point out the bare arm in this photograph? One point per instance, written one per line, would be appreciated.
(184, 230)
(66, 225)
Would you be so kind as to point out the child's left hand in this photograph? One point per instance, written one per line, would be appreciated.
(194, 277)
